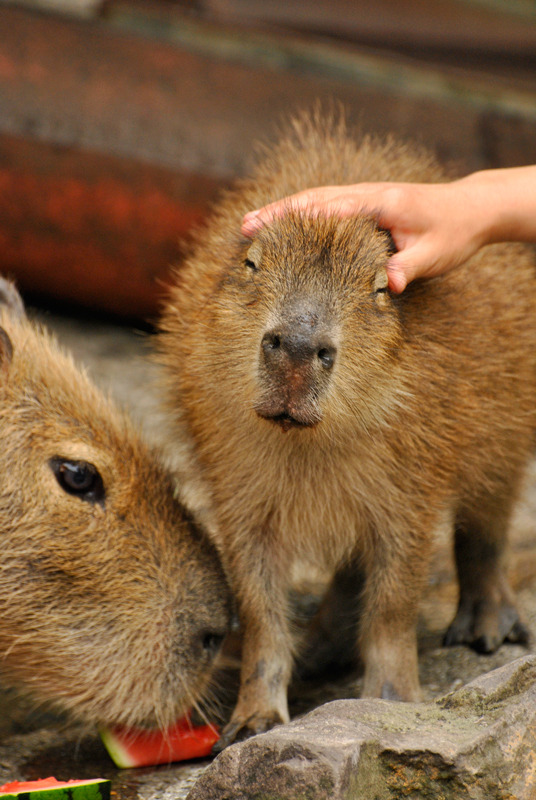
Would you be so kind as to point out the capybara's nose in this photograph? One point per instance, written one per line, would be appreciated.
(299, 344)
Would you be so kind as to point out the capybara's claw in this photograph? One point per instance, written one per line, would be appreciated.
(239, 730)
(484, 631)
(519, 634)
(228, 736)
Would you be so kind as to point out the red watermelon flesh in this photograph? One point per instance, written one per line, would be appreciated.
(134, 747)
(25, 786)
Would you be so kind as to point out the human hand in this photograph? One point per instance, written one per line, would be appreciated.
(435, 227)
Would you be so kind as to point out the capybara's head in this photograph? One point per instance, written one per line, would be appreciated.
(322, 331)
(113, 602)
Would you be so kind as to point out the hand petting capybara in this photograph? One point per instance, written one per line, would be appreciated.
(336, 422)
(113, 601)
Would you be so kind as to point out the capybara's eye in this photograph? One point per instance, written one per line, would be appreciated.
(79, 478)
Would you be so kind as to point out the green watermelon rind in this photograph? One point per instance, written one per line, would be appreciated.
(119, 755)
(87, 790)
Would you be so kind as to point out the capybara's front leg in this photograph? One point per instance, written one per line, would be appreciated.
(388, 641)
(262, 699)
(390, 655)
(266, 650)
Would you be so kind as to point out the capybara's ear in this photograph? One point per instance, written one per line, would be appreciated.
(381, 281)
(6, 352)
(11, 299)
(254, 255)
(381, 288)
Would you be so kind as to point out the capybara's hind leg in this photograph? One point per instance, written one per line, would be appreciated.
(487, 615)
(330, 644)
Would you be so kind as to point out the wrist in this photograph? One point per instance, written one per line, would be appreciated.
(503, 203)
(482, 208)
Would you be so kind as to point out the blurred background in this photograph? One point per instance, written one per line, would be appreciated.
(120, 120)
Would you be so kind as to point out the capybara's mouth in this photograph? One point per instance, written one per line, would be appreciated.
(286, 421)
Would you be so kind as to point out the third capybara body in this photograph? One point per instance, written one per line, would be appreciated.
(336, 422)
(113, 601)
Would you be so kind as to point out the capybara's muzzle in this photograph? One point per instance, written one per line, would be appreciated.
(296, 359)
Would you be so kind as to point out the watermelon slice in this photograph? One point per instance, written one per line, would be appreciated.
(51, 789)
(133, 747)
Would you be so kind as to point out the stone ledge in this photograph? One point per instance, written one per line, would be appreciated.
(477, 742)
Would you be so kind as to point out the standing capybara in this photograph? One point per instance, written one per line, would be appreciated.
(335, 422)
(113, 601)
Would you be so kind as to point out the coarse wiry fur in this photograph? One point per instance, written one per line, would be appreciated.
(411, 408)
(111, 606)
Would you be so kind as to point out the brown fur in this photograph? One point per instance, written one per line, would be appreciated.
(427, 412)
(112, 604)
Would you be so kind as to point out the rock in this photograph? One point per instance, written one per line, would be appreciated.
(477, 742)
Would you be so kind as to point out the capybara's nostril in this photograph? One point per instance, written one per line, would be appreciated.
(327, 356)
(272, 349)
(271, 341)
(211, 642)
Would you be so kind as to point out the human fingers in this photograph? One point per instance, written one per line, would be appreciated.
(396, 277)
(425, 256)
(417, 260)
(312, 200)
(342, 201)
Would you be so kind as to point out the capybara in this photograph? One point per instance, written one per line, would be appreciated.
(336, 422)
(113, 601)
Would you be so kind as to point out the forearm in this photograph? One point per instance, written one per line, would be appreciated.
(504, 203)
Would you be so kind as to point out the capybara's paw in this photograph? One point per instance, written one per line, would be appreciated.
(237, 730)
(485, 626)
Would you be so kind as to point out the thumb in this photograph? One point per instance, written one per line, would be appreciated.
(413, 262)
(398, 274)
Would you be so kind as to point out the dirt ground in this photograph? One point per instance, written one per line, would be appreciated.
(39, 744)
